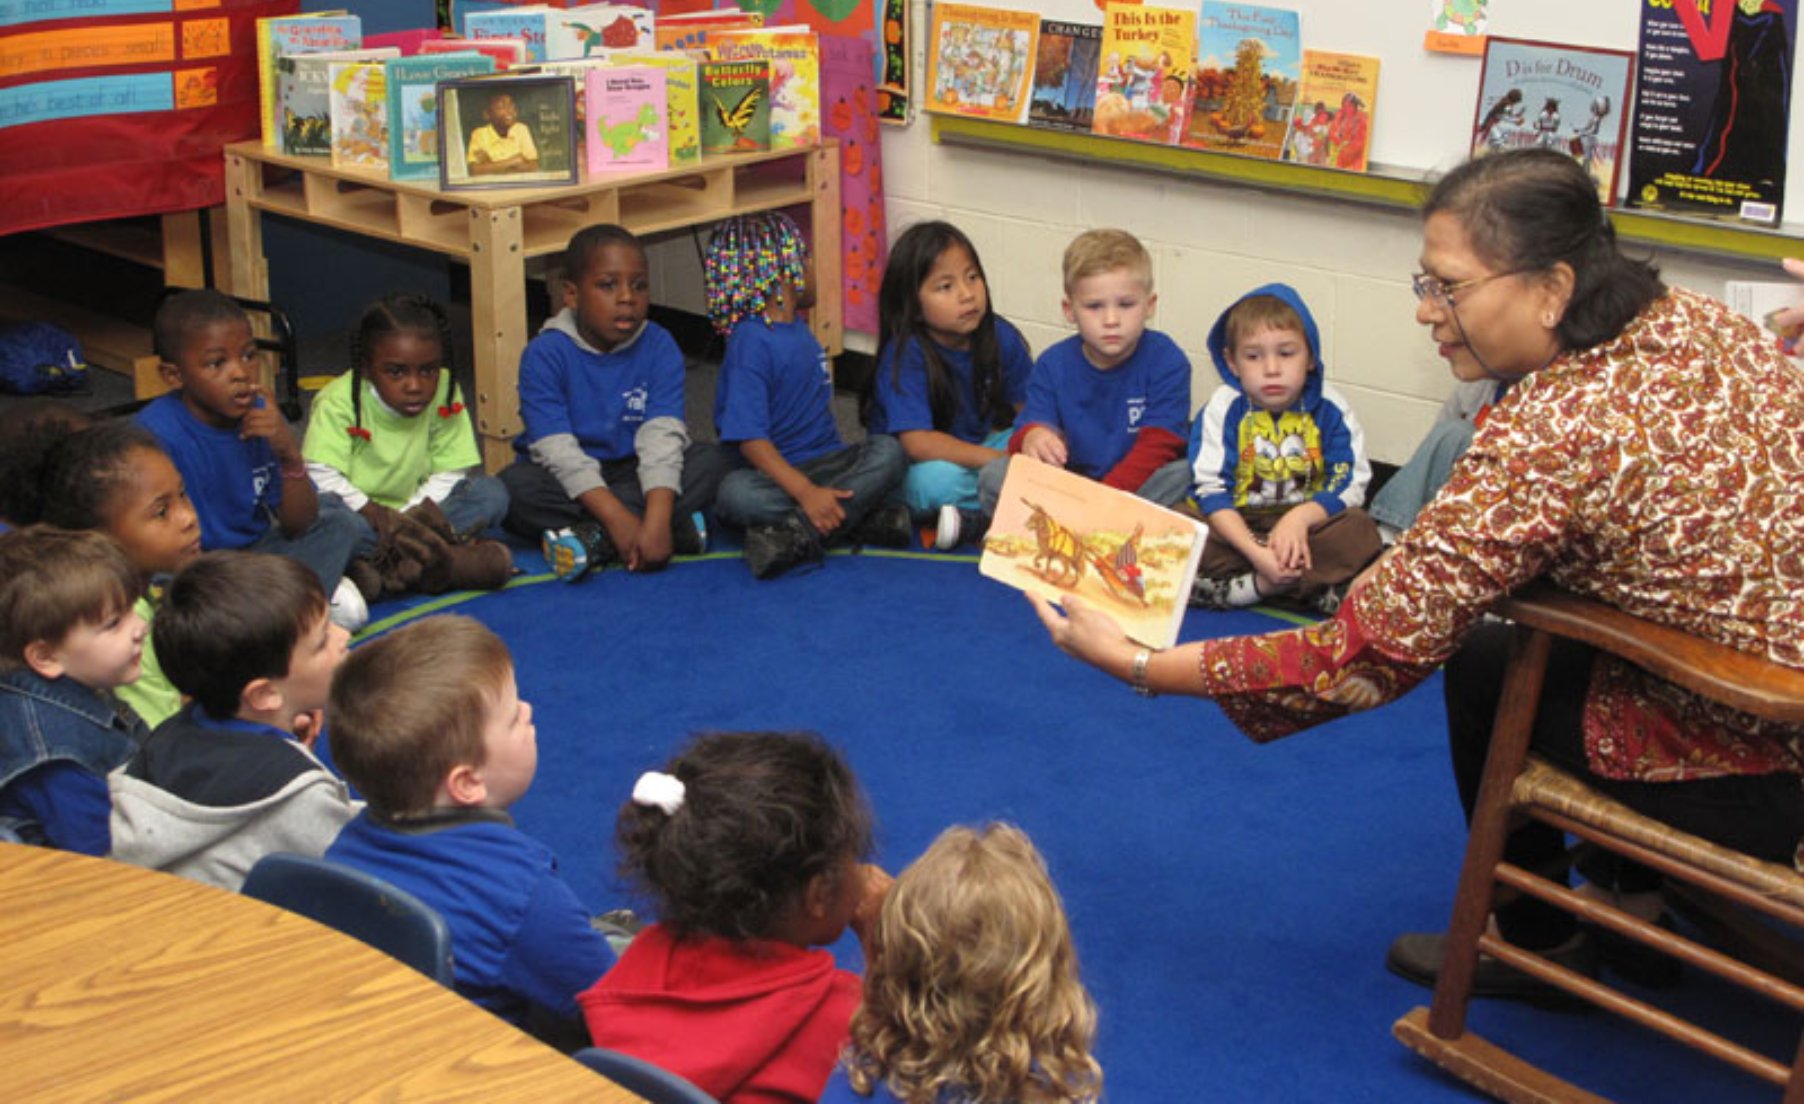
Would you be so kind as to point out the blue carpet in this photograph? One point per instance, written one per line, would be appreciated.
(1231, 903)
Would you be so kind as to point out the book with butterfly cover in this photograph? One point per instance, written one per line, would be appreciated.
(682, 104)
(794, 54)
(312, 33)
(413, 109)
(735, 105)
(627, 127)
(1056, 533)
(302, 101)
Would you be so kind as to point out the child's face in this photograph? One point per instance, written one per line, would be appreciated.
(502, 113)
(404, 368)
(1110, 310)
(612, 295)
(150, 515)
(1272, 364)
(954, 298)
(100, 654)
(510, 747)
(217, 371)
(316, 655)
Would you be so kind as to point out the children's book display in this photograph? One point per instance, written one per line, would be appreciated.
(277, 36)
(794, 57)
(1332, 121)
(1713, 109)
(1249, 66)
(413, 108)
(735, 105)
(591, 30)
(1147, 56)
(505, 52)
(303, 98)
(626, 128)
(1558, 97)
(531, 25)
(682, 105)
(690, 30)
(982, 60)
(1056, 533)
(507, 131)
(358, 93)
(1064, 88)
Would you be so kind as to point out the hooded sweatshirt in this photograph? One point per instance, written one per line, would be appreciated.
(1245, 458)
(747, 1023)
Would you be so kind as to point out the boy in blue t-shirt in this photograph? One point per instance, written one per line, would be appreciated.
(803, 487)
(1111, 402)
(237, 455)
(606, 471)
(428, 724)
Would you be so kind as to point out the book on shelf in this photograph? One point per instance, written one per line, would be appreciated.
(505, 52)
(410, 40)
(735, 105)
(530, 24)
(412, 84)
(359, 112)
(590, 30)
(1761, 301)
(1555, 96)
(682, 104)
(296, 34)
(1064, 87)
(1147, 55)
(690, 30)
(1056, 533)
(627, 128)
(981, 61)
(1332, 122)
(1713, 110)
(794, 56)
(304, 101)
(1249, 63)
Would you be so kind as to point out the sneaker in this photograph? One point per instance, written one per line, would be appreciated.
(689, 538)
(1328, 600)
(1418, 957)
(348, 610)
(886, 526)
(1225, 594)
(574, 552)
(960, 527)
(771, 550)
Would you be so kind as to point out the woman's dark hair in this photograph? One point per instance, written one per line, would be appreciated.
(1528, 210)
(762, 814)
(29, 430)
(401, 312)
(900, 322)
(85, 471)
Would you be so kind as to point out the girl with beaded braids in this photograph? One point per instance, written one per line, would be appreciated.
(392, 438)
(802, 487)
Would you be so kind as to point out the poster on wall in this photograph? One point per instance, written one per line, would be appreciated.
(1553, 96)
(1712, 109)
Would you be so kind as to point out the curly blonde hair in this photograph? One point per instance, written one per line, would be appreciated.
(972, 986)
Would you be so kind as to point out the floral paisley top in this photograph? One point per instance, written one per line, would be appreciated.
(1661, 472)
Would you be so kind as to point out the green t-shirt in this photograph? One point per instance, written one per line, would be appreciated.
(152, 696)
(401, 453)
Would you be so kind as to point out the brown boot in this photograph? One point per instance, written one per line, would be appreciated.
(365, 576)
(421, 554)
(429, 514)
(479, 565)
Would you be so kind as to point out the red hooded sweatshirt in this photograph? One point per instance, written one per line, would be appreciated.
(749, 1023)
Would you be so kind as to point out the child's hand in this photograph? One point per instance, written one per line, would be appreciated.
(265, 421)
(1792, 317)
(822, 505)
(1046, 445)
(1289, 541)
(623, 529)
(651, 552)
(873, 889)
(307, 727)
(1277, 574)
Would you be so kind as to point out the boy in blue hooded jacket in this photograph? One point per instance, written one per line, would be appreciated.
(1277, 462)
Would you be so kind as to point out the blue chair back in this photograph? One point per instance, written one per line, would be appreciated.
(636, 1075)
(358, 904)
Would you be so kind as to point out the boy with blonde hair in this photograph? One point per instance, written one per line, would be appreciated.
(1111, 401)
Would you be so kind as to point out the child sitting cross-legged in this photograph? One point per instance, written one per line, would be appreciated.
(233, 777)
(68, 637)
(428, 724)
(749, 843)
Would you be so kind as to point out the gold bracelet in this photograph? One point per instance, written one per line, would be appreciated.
(1141, 659)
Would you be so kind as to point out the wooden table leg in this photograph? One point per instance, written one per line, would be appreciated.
(248, 274)
(498, 325)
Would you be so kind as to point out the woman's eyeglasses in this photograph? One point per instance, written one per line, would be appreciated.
(1438, 291)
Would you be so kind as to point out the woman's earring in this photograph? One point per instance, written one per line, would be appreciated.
(1548, 320)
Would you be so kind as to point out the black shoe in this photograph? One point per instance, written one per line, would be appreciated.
(689, 535)
(773, 549)
(1418, 957)
(1633, 960)
(887, 526)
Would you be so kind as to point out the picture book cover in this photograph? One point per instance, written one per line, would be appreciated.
(794, 55)
(590, 30)
(1713, 109)
(690, 30)
(1064, 88)
(626, 128)
(980, 61)
(531, 25)
(682, 104)
(1332, 122)
(413, 108)
(303, 99)
(296, 34)
(505, 52)
(1457, 26)
(1249, 64)
(359, 111)
(514, 129)
(1057, 533)
(735, 105)
(1147, 57)
(1558, 97)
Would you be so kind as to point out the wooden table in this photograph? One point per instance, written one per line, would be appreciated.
(495, 232)
(118, 983)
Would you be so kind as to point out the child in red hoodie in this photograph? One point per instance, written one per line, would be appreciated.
(750, 846)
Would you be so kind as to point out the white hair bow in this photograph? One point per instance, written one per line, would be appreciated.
(665, 791)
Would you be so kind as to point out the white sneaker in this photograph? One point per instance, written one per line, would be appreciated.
(348, 610)
(946, 537)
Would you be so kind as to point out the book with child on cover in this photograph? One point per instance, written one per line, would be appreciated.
(413, 108)
(1332, 124)
(1057, 533)
(1147, 55)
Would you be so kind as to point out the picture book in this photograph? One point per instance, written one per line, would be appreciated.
(794, 55)
(1712, 109)
(303, 102)
(576, 71)
(590, 30)
(1457, 27)
(359, 112)
(1057, 533)
(505, 52)
(1332, 122)
(513, 129)
(735, 105)
(980, 61)
(530, 24)
(627, 127)
(690, 30)
(682, 107)
(1147, 54)
(1064, 88)
(1554, 96)
(1249, 63)
(413, 108)
(1761, 301)
(296, 34)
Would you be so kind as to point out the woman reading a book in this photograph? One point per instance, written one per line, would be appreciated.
(1647, 456)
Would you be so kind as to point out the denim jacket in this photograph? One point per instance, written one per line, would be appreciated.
(50, 720)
